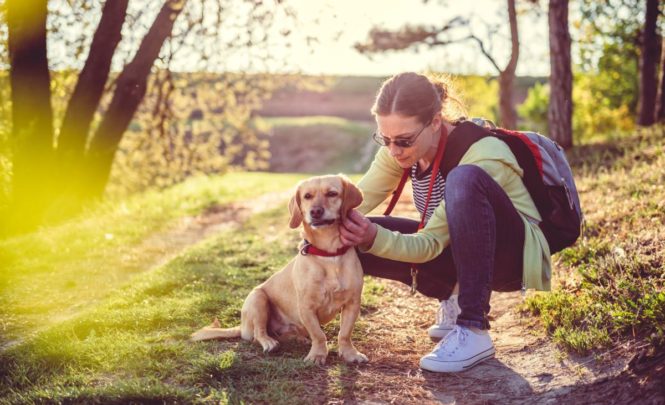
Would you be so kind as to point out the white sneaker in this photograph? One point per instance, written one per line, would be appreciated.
(459, 351)
(446, 317)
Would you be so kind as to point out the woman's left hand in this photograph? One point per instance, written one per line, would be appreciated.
(356, 230)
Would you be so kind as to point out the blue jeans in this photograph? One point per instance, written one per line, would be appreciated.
(485, 252)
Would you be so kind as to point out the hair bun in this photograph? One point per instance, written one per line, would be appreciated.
(441, 89)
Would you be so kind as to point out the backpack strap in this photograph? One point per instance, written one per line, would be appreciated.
(459, 141)
(530, 160)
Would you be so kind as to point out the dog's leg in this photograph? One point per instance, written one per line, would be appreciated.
(255, 313)
(319, 350)
(348, 319)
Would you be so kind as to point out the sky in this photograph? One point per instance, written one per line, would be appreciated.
(338, 24)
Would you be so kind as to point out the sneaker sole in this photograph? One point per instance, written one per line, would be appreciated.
(456, 366)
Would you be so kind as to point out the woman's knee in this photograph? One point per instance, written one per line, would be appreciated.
(464, 184)
(399, 224)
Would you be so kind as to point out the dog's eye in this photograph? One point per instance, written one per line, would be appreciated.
(332, 194)
(307, 196)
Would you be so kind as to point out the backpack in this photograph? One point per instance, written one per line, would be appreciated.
(547, 176)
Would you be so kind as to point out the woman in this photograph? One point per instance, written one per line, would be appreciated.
(481, 231)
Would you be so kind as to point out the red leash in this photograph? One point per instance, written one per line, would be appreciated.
(398, 191)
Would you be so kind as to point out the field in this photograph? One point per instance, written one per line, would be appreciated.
(99, 309)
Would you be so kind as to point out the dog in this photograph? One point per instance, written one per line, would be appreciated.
(324, 279)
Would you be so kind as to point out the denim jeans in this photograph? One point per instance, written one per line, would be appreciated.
(485, 252)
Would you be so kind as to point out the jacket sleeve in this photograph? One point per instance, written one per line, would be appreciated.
(380, 180)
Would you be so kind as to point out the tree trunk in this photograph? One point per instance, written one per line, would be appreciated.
(130, 89)
(560, 111)
(660, 112)
(32, 114)
(508, 115)
(91, 81)
(649, 66)
(508, 118)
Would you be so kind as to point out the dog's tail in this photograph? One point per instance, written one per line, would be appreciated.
(214, 331)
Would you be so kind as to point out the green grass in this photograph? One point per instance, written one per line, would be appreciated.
(134, 347)
(319, 144)
(611, 284)
(52, 272)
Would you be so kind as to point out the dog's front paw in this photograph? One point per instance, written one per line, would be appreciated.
(268, 344)
(354, 356)
(316, 357)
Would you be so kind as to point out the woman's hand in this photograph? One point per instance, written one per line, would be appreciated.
(357, 230)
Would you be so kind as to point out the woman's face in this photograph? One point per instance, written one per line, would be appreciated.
(398, 127)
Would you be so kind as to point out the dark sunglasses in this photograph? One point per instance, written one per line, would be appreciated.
(399, 142)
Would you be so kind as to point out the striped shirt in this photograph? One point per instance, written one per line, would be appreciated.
(420, 184)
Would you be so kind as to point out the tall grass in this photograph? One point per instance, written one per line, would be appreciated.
(611, 284)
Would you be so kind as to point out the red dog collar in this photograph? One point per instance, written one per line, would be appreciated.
(309, 249)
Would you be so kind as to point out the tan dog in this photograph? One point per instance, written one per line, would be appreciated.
(311, 289)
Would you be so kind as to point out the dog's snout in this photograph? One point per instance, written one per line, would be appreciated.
(316, 212)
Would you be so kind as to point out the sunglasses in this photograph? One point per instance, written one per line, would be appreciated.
(399, 142)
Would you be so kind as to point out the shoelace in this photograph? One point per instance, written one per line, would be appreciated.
(446, 315)
(452, 342)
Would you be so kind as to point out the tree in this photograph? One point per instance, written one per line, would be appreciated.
(560, 109)
(649, 66)
(660, 111)
(32, 115)
(381, 40)
(57, 170)
(36, 182)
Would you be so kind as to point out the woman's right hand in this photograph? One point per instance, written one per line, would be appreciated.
(357, 229)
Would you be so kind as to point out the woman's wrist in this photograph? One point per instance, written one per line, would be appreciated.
(372, 231)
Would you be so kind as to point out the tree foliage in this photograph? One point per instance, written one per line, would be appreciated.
(101, 85)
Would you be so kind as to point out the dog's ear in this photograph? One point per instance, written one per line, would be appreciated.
(352, 196)
(294, 210)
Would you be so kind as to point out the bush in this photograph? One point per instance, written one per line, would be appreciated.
(595, 114)
(533, 111)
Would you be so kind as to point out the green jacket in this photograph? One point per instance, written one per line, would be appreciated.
(493, 156)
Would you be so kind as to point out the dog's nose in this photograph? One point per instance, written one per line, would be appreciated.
(316, 212)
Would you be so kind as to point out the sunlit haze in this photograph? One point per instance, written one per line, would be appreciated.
(341, 23)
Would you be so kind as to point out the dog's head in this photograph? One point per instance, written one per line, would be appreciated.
(323, 201)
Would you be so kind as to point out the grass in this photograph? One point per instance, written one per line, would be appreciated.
(319, 144)
(54, 271)
(127, 341)
(611, 284)
(134, 346)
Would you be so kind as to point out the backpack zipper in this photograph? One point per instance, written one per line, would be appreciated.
(568, 196)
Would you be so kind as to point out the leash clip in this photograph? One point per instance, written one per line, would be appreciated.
(414, 279)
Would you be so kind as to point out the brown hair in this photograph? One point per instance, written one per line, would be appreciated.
(414, 95)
